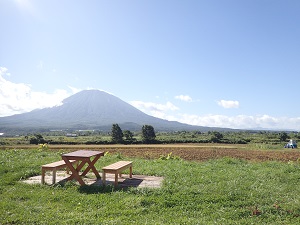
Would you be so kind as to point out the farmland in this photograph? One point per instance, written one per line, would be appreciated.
(192, 152)
(204, 183)
(204, 152)
(210, 188)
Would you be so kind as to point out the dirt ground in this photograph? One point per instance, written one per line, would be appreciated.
(195, 152)
(201, 154)
(138, 181)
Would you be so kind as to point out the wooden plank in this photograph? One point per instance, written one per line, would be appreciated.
(118, 165)
(116, 168)
(56, 164)
(53, 167)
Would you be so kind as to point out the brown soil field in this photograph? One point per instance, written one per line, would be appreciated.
(205, 153)
(192, 152)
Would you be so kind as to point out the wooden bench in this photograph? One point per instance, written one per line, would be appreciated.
(116, 168)
(54, 167)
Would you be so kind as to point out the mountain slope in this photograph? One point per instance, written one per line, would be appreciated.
(90, 109)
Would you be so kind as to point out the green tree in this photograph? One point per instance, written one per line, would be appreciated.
(148, 134)
(283, 136)
(128, 136)
(37, 139)
(116, 134)
(216, 137)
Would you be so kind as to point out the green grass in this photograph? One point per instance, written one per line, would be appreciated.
(224, 191)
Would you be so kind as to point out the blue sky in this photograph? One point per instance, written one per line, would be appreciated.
(233, 63)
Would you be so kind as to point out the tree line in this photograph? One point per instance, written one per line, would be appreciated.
(117, 137)
(120, 137)
(147, 135)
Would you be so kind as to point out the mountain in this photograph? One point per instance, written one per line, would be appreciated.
(90, 109)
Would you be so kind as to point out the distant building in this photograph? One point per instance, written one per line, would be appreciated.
(71, 135)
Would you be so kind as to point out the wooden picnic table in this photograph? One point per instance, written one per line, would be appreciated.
(83, 157)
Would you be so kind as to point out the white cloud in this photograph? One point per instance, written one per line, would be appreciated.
(162, 111)
(236, 122)
(18, 98)
(74, 90)
(3, 71)
(185, 98)
(154, 109)
(228, 104)
(242, 121)
(150, 106)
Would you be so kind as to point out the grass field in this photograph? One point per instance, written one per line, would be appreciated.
(220, 189)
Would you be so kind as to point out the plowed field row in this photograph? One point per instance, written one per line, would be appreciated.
(188, 152)
(201, 154)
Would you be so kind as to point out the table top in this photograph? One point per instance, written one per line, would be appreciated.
(83, 154)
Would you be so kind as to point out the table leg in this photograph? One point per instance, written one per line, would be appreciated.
(43, 175)
(130, 171)
(54, 176)
(91, 166)
(75, 172)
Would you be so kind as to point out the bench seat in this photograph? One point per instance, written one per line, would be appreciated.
(54, 167)
(116, 168)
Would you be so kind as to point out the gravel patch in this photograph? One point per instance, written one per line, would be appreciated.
(138, 181)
